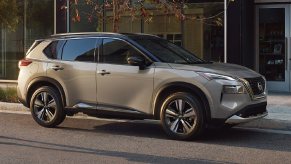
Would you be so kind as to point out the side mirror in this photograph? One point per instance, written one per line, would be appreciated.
(137, 61)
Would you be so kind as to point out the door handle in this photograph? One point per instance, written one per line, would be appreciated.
(103, 72)
(57, 68)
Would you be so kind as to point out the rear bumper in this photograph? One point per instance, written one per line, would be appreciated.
(249, 113)
(20, 98)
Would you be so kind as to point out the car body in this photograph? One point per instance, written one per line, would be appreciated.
(136, 76)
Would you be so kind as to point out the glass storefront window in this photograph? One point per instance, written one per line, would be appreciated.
(203, 31)
(272, 43)
(166, 26)
(88, 20)
(39, 20)
(126, 23)
(36, 22)
(205, 38)
(11, 48)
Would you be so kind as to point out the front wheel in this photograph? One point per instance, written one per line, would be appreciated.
(46, 107)
(182, 116)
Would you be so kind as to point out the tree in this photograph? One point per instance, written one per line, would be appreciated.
(140, 9)
(9, 17)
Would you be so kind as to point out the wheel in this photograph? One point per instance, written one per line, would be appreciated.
(46, 107)
(182, 116)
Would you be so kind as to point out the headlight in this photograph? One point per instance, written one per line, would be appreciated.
(211, 76)
(233, 89)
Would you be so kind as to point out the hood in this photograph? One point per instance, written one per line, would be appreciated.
(232, 70)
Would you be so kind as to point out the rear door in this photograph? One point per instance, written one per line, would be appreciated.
(120, 85)
(76, 71)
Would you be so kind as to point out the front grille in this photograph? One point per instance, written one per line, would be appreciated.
(257, 85)
(253, 111)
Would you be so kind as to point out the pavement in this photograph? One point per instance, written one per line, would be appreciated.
(279, 109)
(279, 117)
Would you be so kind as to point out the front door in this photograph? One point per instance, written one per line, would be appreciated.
(273, 45)
(121, 86)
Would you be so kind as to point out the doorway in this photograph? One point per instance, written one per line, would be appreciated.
(273, 45)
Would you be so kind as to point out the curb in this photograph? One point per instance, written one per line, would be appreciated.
(274, 121)
(267, 123)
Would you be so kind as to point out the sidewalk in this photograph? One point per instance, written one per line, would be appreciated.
(279, 108)
(279, 117)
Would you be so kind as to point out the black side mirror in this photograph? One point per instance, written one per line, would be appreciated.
(136, 61)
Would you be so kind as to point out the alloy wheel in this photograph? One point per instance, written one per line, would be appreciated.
(45, 107)
(180, 116)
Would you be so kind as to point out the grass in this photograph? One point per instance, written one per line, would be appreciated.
(8, 95)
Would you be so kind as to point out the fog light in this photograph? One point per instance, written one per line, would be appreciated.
(233, 89)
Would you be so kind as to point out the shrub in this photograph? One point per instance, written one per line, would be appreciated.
(8, 95)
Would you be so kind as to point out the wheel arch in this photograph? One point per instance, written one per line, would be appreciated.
(44, 81)
(173, 87)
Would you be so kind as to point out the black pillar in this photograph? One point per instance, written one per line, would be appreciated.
(240, 33)
(61, 17)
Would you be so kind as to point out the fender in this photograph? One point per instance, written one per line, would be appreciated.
(51, 81)
(181, 86)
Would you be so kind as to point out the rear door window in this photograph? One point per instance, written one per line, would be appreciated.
(80, 50)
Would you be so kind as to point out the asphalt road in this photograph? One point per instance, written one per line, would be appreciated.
(103, 141)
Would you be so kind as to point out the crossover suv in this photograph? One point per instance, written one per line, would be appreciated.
(136, 76)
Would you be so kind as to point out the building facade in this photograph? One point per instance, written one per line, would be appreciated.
(256, 32)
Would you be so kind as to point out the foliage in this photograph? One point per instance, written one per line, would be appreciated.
(9, 14)
(8, 95)
(136, 9)
(39, 14)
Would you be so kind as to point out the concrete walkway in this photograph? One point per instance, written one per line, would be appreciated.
(279, 117)
(279, 108)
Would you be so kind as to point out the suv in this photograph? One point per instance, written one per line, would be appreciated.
(136, 76)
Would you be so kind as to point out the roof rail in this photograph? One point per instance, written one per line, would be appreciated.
(83, 33)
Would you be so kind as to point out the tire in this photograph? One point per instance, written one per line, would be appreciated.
(185, 124)
(46, 107)
(228, 126)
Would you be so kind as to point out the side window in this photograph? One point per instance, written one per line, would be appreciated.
(54, 50)
(80, 50)
(117, 52)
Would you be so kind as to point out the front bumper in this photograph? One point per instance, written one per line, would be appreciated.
(249, 113)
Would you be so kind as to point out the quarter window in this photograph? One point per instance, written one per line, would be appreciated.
(117, 52)
(80, 50)
(54, 50)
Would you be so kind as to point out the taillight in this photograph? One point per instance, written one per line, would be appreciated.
(24, 62)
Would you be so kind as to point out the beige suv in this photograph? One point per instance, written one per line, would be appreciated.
(136, 76)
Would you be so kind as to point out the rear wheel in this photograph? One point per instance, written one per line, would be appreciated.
(46, 107)
(182, 116)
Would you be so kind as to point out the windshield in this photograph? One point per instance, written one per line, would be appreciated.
(166, 51)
